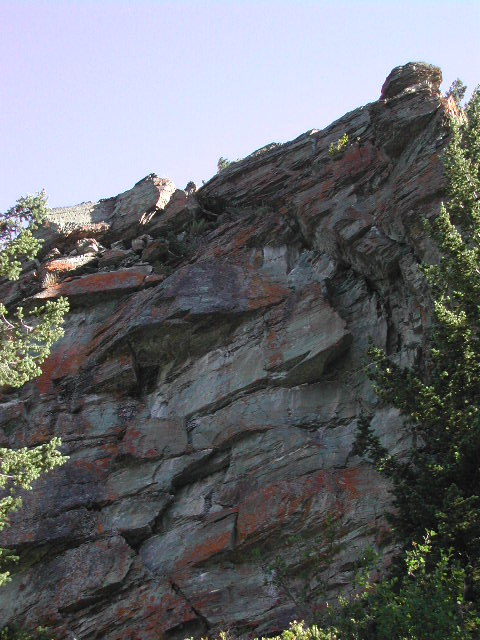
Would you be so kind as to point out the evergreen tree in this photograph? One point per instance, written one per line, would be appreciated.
(457, 90)
(438, 486)
(25, 342)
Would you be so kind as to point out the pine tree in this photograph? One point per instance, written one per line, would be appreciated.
(438, 487)
(25, 342)
(457, 90)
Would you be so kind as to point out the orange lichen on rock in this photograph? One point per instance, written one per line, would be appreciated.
(263, 293)
(273, 505)
(96, 283)
(64, 360)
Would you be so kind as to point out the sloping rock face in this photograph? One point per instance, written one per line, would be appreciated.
(211, 377)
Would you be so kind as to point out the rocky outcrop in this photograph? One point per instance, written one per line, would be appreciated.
(209, 383)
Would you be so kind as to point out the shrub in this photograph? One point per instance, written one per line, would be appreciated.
(223, 164)
(339, 146)
(11, 633)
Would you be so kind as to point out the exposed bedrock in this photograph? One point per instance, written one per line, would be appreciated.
(210, 380)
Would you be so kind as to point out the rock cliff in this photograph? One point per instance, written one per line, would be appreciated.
(210, 380)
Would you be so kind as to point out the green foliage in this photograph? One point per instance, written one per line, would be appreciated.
(438, 486)
(24, 345)
(16, 237)
(18, 470)
(198, 227)
(298, 631)
(340, 145)
(425, 602)
(223, 164)
(41, 633)
(457, 91)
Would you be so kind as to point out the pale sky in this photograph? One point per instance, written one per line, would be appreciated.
(97, 94)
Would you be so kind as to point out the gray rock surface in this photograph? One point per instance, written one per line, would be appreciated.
(210, 380)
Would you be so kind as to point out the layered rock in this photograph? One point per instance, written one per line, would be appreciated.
(211, 377)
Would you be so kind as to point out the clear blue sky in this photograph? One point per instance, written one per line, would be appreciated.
(95, 95)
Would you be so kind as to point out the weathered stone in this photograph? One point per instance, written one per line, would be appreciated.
(209, 409)
(410, 76)
(87, 245)
(10, 411)
(79, 576)
(110, 220)
(116, 374)
(154, 438)
(106, 284)
(189, 544)
(178, 212)
(114, 257)
(133, 517)
(138, 244)
(66, 265)
(156, 250)
(134, 208)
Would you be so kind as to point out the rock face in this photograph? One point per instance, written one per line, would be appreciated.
(209, 383)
